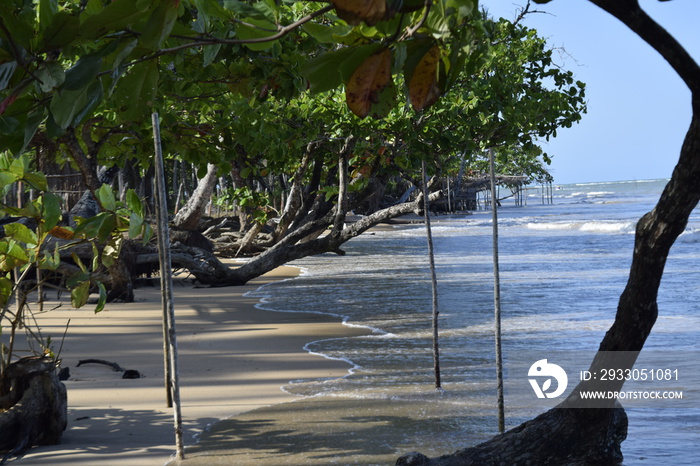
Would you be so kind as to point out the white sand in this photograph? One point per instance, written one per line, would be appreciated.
(232, 358)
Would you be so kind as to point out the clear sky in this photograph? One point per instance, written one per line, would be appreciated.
(638, 108)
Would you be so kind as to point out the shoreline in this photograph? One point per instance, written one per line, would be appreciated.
(233, 358)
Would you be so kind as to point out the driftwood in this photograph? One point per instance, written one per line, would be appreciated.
(113, 365)
(126, 373)
(33, 405)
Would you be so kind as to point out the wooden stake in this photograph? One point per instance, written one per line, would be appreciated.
(497, 298)
(433, 279)
(166, 286)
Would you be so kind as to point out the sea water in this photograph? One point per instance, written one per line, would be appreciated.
(562, 268)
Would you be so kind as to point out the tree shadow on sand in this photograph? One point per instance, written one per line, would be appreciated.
(96, 433)
(328, 430)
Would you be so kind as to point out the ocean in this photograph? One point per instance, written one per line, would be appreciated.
(562, 269)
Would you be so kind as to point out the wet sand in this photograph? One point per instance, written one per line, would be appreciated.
(330, 430)
(233, 358)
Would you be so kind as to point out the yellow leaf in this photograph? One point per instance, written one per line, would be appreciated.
(355, 11)
(423, 88)
(367, 82)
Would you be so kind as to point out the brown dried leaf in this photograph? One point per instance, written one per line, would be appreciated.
(368, 81)
(356, 11)
(423, 88)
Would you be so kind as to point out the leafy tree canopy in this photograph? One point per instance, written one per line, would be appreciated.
(230, 79)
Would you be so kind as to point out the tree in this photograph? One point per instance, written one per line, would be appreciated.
(569, 433)
(212, 70)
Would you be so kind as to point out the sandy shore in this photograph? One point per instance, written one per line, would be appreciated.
(233, 358)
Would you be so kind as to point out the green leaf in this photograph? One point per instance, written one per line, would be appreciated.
(69, 108)
(12, 254)
(8, 125)
(36, 180)
(80, 294)
(115, 16)
(159, 24)
(95, 256)
(463, 7)
(6, 290)
(102, 297)
(105, 196)
(7, 70)
(259, 29)
(20, 26)
(108, 226)
(60, 32)
(18, 166)
(136, 93)
(46, 10)
(53, 131)
(51, 261)
(34, 119)
(135, 225)
(51, 210)
(51, 76)
(323, 71)
(147, 233)
(133, 202)
(210, 53)
(100, 226)
(82, 73)
(82, 267)
(244, 9)
(19, 232)
(326, 34)
(7, 179)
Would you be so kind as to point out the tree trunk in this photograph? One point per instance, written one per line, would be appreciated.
(576, 435)
(554, 438)
(33, 405)
(191, 213)
(247, 241)
(295, 197)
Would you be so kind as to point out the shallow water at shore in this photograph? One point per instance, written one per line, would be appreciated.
(563, 267)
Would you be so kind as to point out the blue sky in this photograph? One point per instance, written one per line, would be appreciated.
(638, 109)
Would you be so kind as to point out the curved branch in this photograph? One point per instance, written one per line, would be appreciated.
(281, 32)
(632, 15)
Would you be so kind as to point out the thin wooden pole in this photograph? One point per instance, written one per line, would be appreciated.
(166, 284)
(433, 279)
(497, 298)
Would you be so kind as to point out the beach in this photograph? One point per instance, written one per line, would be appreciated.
(233, 358)
(371, 398)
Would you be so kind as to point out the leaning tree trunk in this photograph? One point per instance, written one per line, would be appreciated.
(191, 213)
(295, 197)
(33, 405)
(577, 435)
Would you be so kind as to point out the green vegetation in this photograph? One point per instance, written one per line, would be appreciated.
(259, 92)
